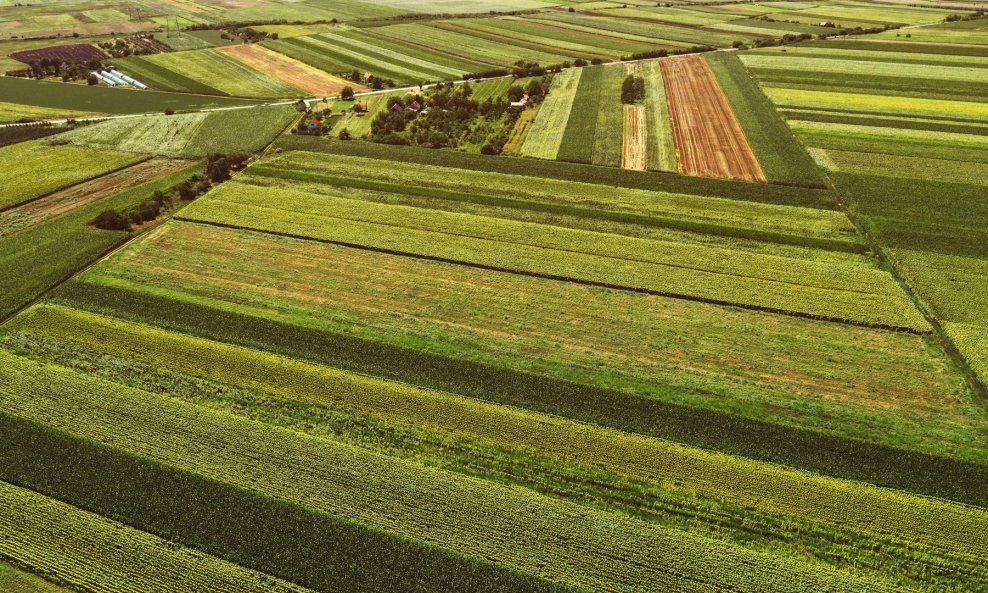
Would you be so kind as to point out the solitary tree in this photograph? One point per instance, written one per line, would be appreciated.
(347, 93)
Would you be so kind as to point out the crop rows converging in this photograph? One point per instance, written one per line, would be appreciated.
(707, 323)
(441, 512)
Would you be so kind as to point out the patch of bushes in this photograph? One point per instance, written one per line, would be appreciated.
(218, 169)
(632, 89)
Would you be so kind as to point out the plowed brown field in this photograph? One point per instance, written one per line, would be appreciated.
(709, 139)
(289, 71)
(633, 155)
(83, 194)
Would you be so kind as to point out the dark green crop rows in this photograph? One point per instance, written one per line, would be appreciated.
(314, 549)
(882, 465)
(578, 140)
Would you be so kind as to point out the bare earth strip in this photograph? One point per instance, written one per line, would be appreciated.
(289, 71)
(83, 194)
(709, 139)
(633, 156)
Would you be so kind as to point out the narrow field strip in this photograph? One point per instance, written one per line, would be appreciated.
(475, 518)
(498, 379)
(608, 136)
(581, 127)
(397, 177)
(951, 528)
(39, 211)
(634, 153)
(878, 104)
(294, 73)
(512, 246)
(661, 145)
(340, 203)
(709, 139)
(546, 135)
(795, 63)
(779, 154)
(88, 552)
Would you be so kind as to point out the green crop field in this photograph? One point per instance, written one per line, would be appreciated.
(56, 95)
(33, 169)
(254, 341)
(203, 72)
(191, 135)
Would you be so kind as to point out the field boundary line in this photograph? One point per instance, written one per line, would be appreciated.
(566, 279)
(979, 389)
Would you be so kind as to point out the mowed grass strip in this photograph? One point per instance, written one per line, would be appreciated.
(84, 550)
(33, 169)
(807, 364)
(475, 518)
(951, 528)
(763, 283)
(546, 135)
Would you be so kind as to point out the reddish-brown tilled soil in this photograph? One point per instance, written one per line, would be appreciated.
(709, 139)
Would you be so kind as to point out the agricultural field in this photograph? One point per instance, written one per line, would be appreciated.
(33, 169)
(192, 135)
(45, 95)
(46, 240)
(208, 71)
(657, 297)
(898, 159)
(695, 98)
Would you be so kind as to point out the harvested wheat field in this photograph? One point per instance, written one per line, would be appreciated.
(709, 139)
(633, 154)
(83, 194)
(289, 71)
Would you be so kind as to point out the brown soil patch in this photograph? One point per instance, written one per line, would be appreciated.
(709, 139)
(289, 71)
(633, 155)
(84, 194)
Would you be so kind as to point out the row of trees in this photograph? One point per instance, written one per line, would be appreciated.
(218, 169)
